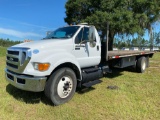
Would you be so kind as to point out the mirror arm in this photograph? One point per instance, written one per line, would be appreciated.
(83, 41)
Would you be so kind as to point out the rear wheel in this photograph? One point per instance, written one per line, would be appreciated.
(61, 86)
(147, 61)
(141, 64)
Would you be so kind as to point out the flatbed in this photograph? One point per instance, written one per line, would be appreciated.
(122, 53)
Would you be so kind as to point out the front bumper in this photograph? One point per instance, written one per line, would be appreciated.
(24, 82)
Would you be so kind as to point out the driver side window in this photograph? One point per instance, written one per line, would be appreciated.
(82, 35)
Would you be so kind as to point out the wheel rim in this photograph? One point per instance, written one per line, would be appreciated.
(143, 66)
(65, 87)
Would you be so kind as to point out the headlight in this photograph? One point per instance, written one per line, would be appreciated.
(41, 66)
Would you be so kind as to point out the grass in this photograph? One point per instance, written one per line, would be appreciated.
(2, 51)
(138, 98)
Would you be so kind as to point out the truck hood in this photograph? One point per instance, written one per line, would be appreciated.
(44, 43)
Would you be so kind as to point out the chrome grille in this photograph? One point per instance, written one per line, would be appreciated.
(17, 59)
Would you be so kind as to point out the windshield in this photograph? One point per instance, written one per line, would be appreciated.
(65, 32)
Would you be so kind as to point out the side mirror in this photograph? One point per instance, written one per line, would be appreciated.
(92, 36)
(48, 32)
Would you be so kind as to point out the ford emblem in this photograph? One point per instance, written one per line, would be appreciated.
(36, 51)
(11, 59)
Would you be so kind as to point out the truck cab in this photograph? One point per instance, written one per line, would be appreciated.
(30, 65)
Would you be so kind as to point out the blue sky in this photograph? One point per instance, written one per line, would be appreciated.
(30, 19)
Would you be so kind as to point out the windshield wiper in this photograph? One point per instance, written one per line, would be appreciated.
(49, 38)
(53, 37)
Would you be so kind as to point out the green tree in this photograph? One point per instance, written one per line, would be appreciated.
(128, 43)
(134, 42)
(156, 38)
(8, 43)
(124, 16)
(144, 42)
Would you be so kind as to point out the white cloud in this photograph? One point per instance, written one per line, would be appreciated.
(18, 34)
(25, 24)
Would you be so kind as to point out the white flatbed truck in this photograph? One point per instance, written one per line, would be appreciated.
(66, 59)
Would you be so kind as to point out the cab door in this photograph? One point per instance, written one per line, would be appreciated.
(86, 53)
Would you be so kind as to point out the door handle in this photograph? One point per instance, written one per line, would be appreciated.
(82, 45)
(77, 48)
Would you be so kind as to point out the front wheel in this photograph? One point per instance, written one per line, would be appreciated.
(61, 86)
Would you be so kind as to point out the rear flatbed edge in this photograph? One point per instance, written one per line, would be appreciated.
(120, 54)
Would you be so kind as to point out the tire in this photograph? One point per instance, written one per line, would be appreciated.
(147, 61)
(141, 65)
(61, 86)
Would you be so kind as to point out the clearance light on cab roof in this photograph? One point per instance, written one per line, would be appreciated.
(83, 24)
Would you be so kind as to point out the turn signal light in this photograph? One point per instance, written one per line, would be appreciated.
(41, 66)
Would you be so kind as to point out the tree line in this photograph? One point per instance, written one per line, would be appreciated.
(8, 42)
(139, 41)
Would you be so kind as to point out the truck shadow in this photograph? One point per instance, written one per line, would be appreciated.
(119, 72)
(84, 90)
(28, 97)
(37, 97)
